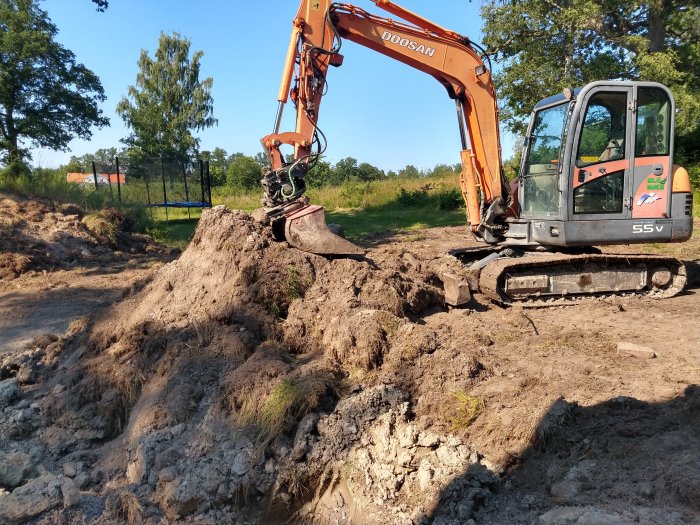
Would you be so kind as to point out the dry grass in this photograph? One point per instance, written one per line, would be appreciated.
(290, 400)
(129, 508)
(467, 408)
(103, 230)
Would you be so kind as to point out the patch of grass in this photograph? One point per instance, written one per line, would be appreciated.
(290, 401)
(103, 230)
(467, 408)
(129, 508)
(296, 285)
(175, 233)
(358, 223)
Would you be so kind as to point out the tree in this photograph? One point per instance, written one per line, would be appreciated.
(366, 172)
(218, 162)
(343, 170)
(168, 101)
(409, 172)
(554, 44)
(103, 158)
(243, 173)
(101, 4)
(262, 159)
(46, 97)
(444, 170)
(320, 175)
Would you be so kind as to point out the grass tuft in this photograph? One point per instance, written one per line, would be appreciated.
(129, 508)
(103, 230)
(290, 401)
(467, 409)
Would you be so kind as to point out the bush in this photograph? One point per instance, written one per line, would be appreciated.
(412, 198)
(450, 199)
(354, 193)
(694, 173)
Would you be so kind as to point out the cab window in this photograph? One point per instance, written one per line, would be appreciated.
(653, 122)
(541, 194)
(603, 134)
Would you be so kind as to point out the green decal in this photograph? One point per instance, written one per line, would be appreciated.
(656, 183)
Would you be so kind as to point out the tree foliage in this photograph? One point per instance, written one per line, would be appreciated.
(104, 159)
(218, 163)
(46, 97)
(554, 44)
(168, 101)
(243, 173)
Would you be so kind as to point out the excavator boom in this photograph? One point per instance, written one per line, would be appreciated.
(317, 34)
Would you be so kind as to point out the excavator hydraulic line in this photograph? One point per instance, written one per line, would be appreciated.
(306, 230)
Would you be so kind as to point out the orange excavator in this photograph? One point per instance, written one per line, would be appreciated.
(597, 165)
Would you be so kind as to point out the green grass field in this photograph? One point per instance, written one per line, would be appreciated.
(361, 208)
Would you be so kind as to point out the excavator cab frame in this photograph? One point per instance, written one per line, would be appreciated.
(611, 179)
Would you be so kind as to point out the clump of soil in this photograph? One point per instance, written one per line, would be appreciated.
(44, 235)
(249, 382)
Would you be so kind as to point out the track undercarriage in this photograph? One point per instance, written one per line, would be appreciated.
(508, 276)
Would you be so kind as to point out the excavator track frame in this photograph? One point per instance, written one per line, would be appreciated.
(541, 279)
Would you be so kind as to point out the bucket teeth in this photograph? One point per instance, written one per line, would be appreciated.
(306, 230)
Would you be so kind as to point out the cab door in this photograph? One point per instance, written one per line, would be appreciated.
(651, 187)
(602, 167)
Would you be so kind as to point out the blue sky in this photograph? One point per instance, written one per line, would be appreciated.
(377, 110)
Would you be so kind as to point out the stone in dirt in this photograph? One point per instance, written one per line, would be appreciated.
(14, 467)
(635, 350)
(9, 391)
(31, 499)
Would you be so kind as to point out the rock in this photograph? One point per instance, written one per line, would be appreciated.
(14, 467)
(560, 516)
(31, 499)
(425, 474)
(71, 469)
(428, 439)
(71, 494)
(456, 290)
(167, 474)
(82, 480)
(240, 464)
(601, 517)
(9, 391)
(635, 350)
(566, 489)
(74, 357)
(581, 516)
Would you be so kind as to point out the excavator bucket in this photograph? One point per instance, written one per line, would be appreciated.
(306, 230)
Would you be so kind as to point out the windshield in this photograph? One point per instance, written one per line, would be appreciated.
(541, 166)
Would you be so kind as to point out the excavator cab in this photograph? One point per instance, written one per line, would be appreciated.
(598, 169)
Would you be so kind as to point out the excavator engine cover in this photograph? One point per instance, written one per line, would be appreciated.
(306, 230)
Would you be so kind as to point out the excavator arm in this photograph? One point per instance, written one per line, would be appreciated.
(452, 59)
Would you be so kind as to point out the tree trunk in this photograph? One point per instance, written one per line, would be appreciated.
(657, 29)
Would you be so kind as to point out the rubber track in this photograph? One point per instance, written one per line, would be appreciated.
(490, 286)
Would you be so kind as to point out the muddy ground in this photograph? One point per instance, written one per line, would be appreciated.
(247, 382)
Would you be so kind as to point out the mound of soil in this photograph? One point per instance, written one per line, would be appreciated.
(44, 235)
(248, 382)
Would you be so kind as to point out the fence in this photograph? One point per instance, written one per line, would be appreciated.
(153, 182)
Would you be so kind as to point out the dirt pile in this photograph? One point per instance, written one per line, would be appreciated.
(252, 383)
(44, 235)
